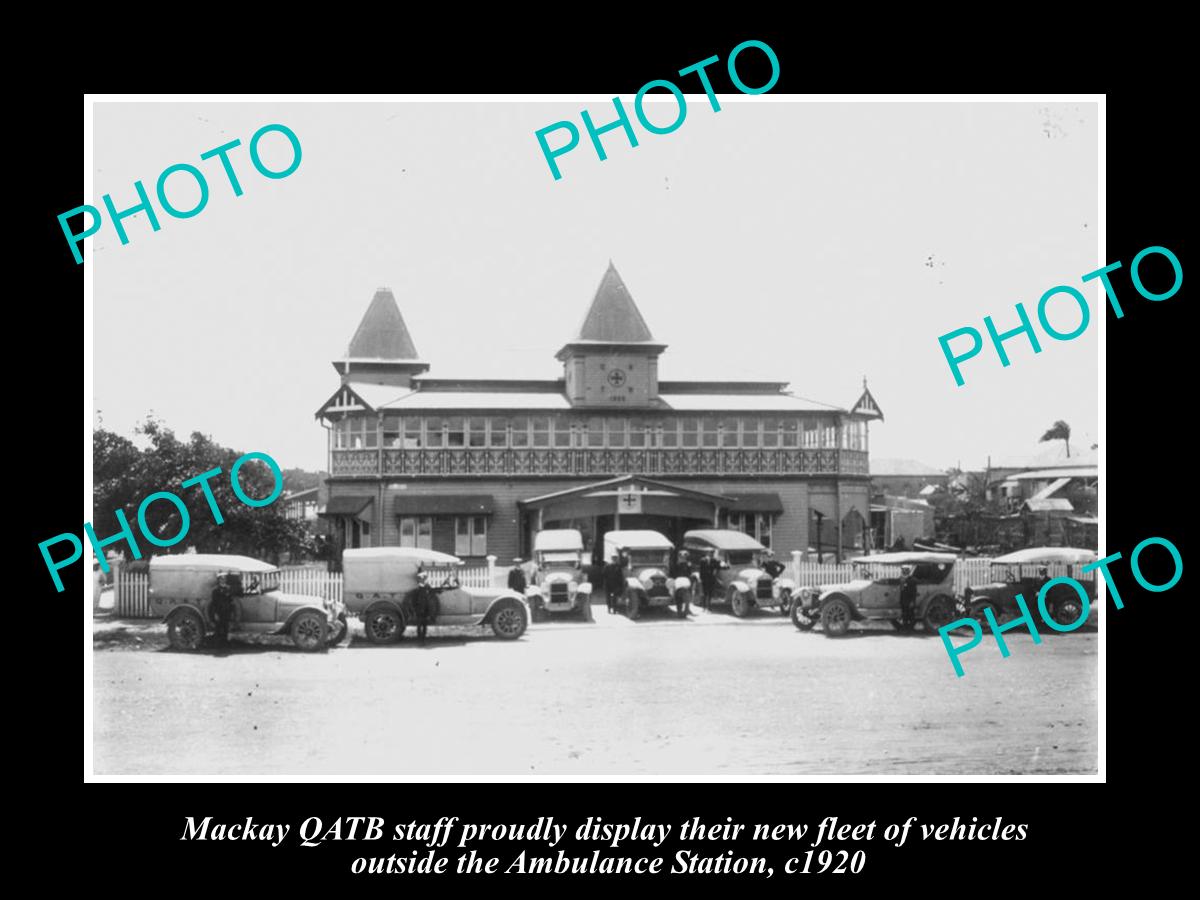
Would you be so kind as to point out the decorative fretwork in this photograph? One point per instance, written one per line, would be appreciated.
(601, 463)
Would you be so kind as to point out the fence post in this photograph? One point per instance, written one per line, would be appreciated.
(114, 565)
(491, 570)
(796, 555)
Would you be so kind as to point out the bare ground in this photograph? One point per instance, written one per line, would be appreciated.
(710, 697)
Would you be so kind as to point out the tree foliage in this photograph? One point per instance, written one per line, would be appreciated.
(1059, 431)
(123, 476)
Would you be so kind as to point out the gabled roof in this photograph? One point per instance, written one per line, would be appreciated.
(613, 317)
(382, 333)
(866, 406)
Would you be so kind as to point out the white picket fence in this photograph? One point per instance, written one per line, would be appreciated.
(131, 590)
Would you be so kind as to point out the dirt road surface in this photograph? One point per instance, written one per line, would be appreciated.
(710, 697)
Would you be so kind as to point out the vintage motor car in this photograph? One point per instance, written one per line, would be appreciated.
(743, 581)
(379, 584)
(1019, 573)
(558, 585)
(181, 590)
(875, 594)
(648, 558)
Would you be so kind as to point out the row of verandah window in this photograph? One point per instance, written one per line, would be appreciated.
(470, 532)
(500, 432)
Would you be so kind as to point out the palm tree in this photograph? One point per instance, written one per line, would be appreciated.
(1059, 431)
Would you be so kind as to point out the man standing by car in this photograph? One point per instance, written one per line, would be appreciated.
(614, 582)
(221, 608)
(516, 577)
(908, 595)
(771, 565)
(680, 568)
(708, 578)
(424, 604)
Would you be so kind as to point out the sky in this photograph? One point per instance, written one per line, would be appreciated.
(813, 243)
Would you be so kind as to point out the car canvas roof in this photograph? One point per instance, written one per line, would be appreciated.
(1047, 555)
(906, 558)
(638, 540)
(210, 561)
(415, 555)
(722, 539)
(560, 539)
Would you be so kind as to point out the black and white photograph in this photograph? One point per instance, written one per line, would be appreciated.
(428, 447)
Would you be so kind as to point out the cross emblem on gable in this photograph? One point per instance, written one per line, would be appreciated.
(630, 500)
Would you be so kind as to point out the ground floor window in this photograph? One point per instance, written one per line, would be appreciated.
(416, 531)
(757, 525)
(470, 536)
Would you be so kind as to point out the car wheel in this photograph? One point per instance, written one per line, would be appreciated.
(738, 604)
(633, 604)
(785, 603)
(801, 618)
(340, 632)
(185, 631)
(903, 627)
(509, 621)
(309, 631)
(835, 617)
(384, 625)
(938, 612)
(1066, 612)
(978, 612)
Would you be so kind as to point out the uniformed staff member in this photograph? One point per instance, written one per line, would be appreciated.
(708, 579)
(681, 568)
(516, 577)
(221, 607)
(424, 605)
(771, 565)
(908, 595)
(614, 582)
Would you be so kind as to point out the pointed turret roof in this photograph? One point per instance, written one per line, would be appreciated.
(382, 333)
(613, 317)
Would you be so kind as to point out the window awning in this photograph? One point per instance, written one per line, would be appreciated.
(346, 506)
(444, 504)
(764, 503)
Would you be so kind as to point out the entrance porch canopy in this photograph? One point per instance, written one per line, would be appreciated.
(657, 498)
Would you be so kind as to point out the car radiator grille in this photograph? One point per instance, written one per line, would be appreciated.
(764, 590)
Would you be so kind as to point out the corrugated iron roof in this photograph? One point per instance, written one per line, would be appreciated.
(497, 400)
(384, 397)
(744, 403)
(1050, 488)
(1041, 474)
(1049, 504)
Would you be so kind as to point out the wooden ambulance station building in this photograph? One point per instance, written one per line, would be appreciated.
(478, 467)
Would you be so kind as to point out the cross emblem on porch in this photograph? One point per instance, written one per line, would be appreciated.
(630, 500)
